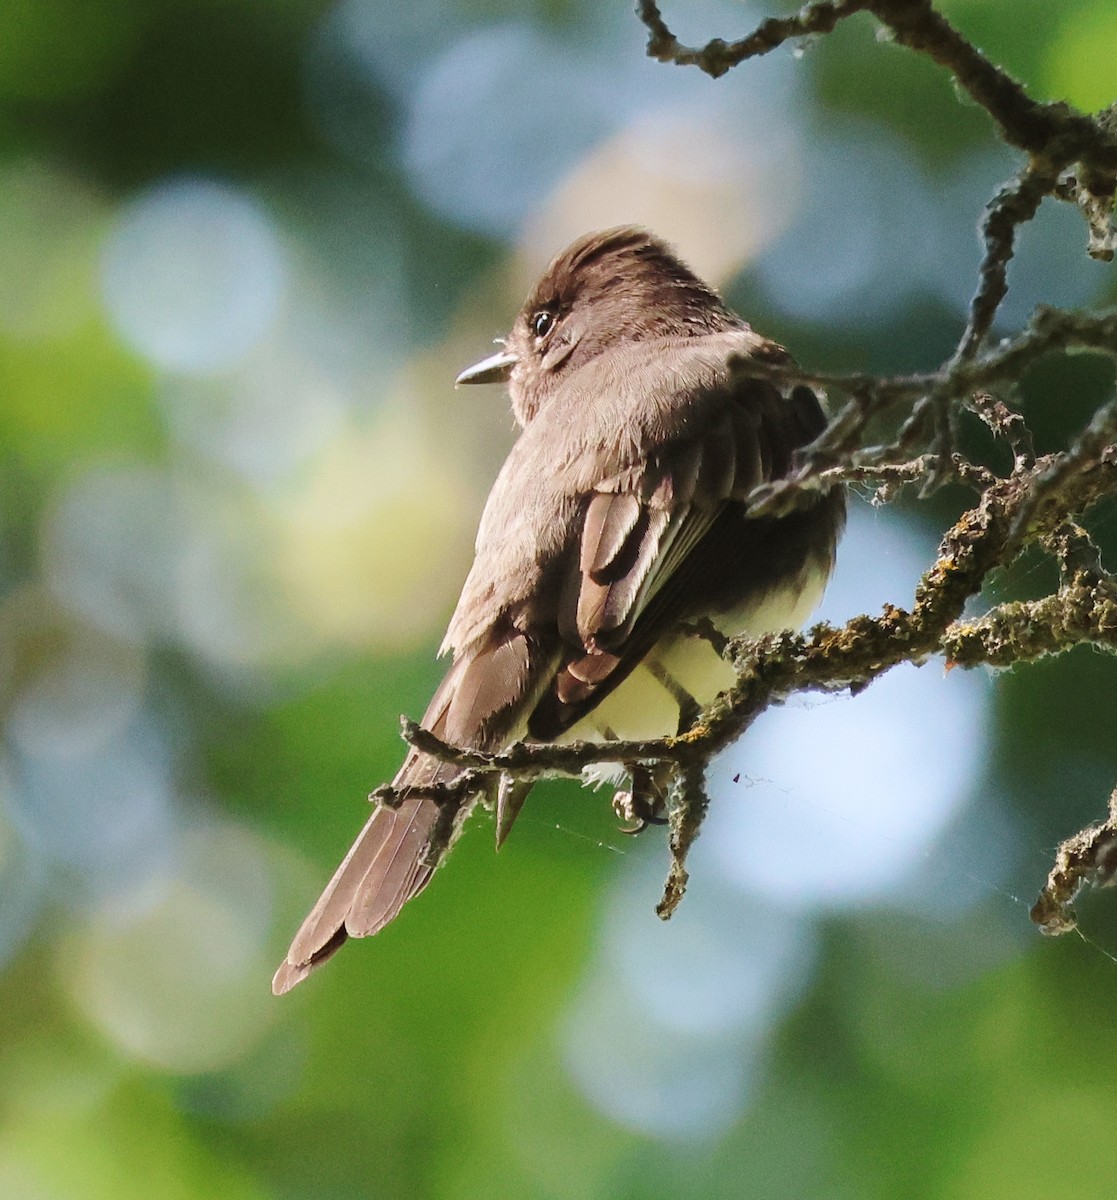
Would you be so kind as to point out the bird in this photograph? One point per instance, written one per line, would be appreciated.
(619, 519)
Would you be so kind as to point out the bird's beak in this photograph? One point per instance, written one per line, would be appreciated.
(494, 369)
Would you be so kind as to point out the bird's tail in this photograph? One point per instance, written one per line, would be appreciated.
(391, 861)
(477, 704)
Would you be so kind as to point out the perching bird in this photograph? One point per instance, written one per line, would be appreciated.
(619, 516)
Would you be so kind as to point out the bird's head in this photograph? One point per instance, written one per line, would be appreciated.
(619, 285)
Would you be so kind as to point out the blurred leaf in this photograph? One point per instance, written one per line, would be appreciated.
(73, 398)
(133, 1146)
(1081, 66)
(55, 48)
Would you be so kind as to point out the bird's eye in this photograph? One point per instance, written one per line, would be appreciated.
(541, 323)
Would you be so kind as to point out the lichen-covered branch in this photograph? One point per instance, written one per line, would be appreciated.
(1085, 610)
(1089, 856)
(774, 668)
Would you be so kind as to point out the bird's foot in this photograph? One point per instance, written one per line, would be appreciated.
(642, 804)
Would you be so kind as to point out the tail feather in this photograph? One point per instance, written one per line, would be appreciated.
(395, 855)
(385, 867)
(399, 871)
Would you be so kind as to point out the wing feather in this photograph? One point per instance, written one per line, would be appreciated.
(610, 521)
(643, 528)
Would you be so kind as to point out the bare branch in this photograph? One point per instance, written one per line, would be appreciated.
(1016, 202)
(1037, 501)
(1056, 133)
(717, 56)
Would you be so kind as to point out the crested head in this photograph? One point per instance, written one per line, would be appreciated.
(609, 288)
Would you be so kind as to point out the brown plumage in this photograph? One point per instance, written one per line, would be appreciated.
(618, 515)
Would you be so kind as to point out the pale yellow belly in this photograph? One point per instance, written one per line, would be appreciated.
(646, 704)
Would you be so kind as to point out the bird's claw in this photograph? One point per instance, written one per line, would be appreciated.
(637, 810)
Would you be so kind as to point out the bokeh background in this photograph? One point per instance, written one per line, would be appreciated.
(245, 246)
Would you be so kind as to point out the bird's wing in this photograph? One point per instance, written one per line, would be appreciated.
(646, 537)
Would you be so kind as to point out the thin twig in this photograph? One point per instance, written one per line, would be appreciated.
(1014, 204)
(717, 56)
